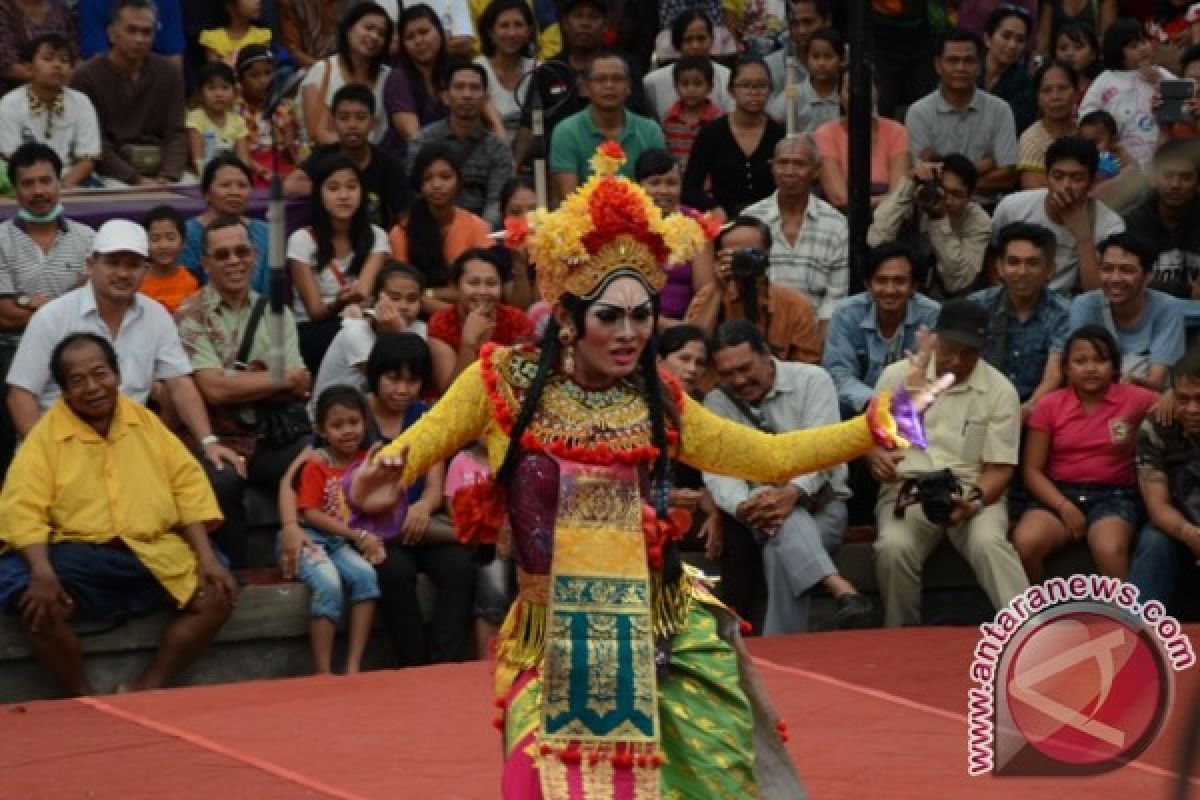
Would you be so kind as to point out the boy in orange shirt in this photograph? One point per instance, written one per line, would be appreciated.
(167, 281)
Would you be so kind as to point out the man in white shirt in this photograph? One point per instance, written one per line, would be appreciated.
(1078, 221)
(792, 528)
(46, 110)
(141, 330)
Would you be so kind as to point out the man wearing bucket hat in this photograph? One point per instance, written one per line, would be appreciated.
(141, 331)
(955, 487)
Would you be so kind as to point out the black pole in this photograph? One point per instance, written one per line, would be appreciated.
(859, 118)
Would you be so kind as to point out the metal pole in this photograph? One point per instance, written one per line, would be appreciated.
(859, 118)
(790, 90)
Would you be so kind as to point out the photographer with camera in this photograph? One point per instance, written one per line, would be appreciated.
(741, 290)
(934, 210)
(955, 488)
(781, 535)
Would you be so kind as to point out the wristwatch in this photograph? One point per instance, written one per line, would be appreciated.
(211, 439)
(24, 301)
(976, 496)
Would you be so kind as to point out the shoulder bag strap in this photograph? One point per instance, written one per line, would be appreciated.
(243, 353)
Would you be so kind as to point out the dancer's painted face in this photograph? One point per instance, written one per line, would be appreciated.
(617, 326)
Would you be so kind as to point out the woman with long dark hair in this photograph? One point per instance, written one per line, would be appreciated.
(333, 262)
(363, 36)
(579, 433)
(411, 99)
(1005, 72)
(436, 231)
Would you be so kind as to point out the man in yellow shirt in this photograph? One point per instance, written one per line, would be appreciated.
(109, 516)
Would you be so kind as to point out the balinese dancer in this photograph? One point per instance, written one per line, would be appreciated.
(618, 674)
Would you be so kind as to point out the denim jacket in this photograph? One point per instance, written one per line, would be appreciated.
(856, 354)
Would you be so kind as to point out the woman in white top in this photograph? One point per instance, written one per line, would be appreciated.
(363, 37)
(505, 30)
(333, 263)
(1127, 87)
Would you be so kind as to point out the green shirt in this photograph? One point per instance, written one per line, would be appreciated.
(576, 138)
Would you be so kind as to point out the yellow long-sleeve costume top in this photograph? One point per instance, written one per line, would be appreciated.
(139, 484)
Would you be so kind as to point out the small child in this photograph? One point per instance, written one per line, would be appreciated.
(213, 127)
(693, 110)
(46, 110)
(817, 99)
(168, 282)
(336, 554)
(223, 44)
(1100, 128)
(255, 74)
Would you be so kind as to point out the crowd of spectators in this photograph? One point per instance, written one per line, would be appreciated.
(1035, 202)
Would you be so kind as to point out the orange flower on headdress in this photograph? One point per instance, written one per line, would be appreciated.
(608, 158)
(516, 232)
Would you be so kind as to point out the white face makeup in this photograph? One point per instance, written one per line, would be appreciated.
(617, 326)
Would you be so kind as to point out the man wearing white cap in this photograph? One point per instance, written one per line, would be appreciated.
(141, 331)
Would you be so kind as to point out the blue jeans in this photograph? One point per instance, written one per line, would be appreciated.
(325, 571)
(1156, 562)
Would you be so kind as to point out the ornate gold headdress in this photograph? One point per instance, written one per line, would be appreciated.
(607, 224)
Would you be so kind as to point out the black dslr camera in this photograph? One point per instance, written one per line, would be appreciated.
(749, 264)
(929, 193)
(936, 493)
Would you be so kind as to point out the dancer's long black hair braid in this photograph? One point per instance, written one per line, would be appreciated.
(656, 401)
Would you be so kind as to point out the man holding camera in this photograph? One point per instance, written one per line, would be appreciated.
(933, 208)
(783, 533)
(741, 290)
(956, 486)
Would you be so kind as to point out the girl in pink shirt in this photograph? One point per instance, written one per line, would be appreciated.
(1079, 460)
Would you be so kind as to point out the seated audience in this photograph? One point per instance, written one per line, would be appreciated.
(974, 431)
(436, 230)
(1170, 217)
(1077, 461)
(42, 253)
(385, 180)
(1079, 46)
(167, 281)
(506, 30)
(95, 38)
(730, 164)
(46, 110)
(806, 17)
(1057, 88)
(575, 139)
(1005, 72)
(691, 34)
(229, 345)
(959, 117)
(1078, 221)
(793, 528)
(1057, 16)
(226, 186)
(455, 15)
(363, 36)
(817, 98)
(458, 331)
(256, 80)
(335, 556)
(658, 173)
(484, 158)
(890, 160)
(693, 107)
(152, 360)
(742, 290)
(1118, 176)
(933, 208)
(871, 330)
(393, 307)
(214, 127)
(808, 236)
(412, 97)
(718, 36)
(238, 31)
(139, 101)
(1168, 463)
(22, 22)
(108, 515)
(1127, 87)
(683, 352)
(1147, 324)
(1029, 321)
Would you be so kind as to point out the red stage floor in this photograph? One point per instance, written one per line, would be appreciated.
(873, 714)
